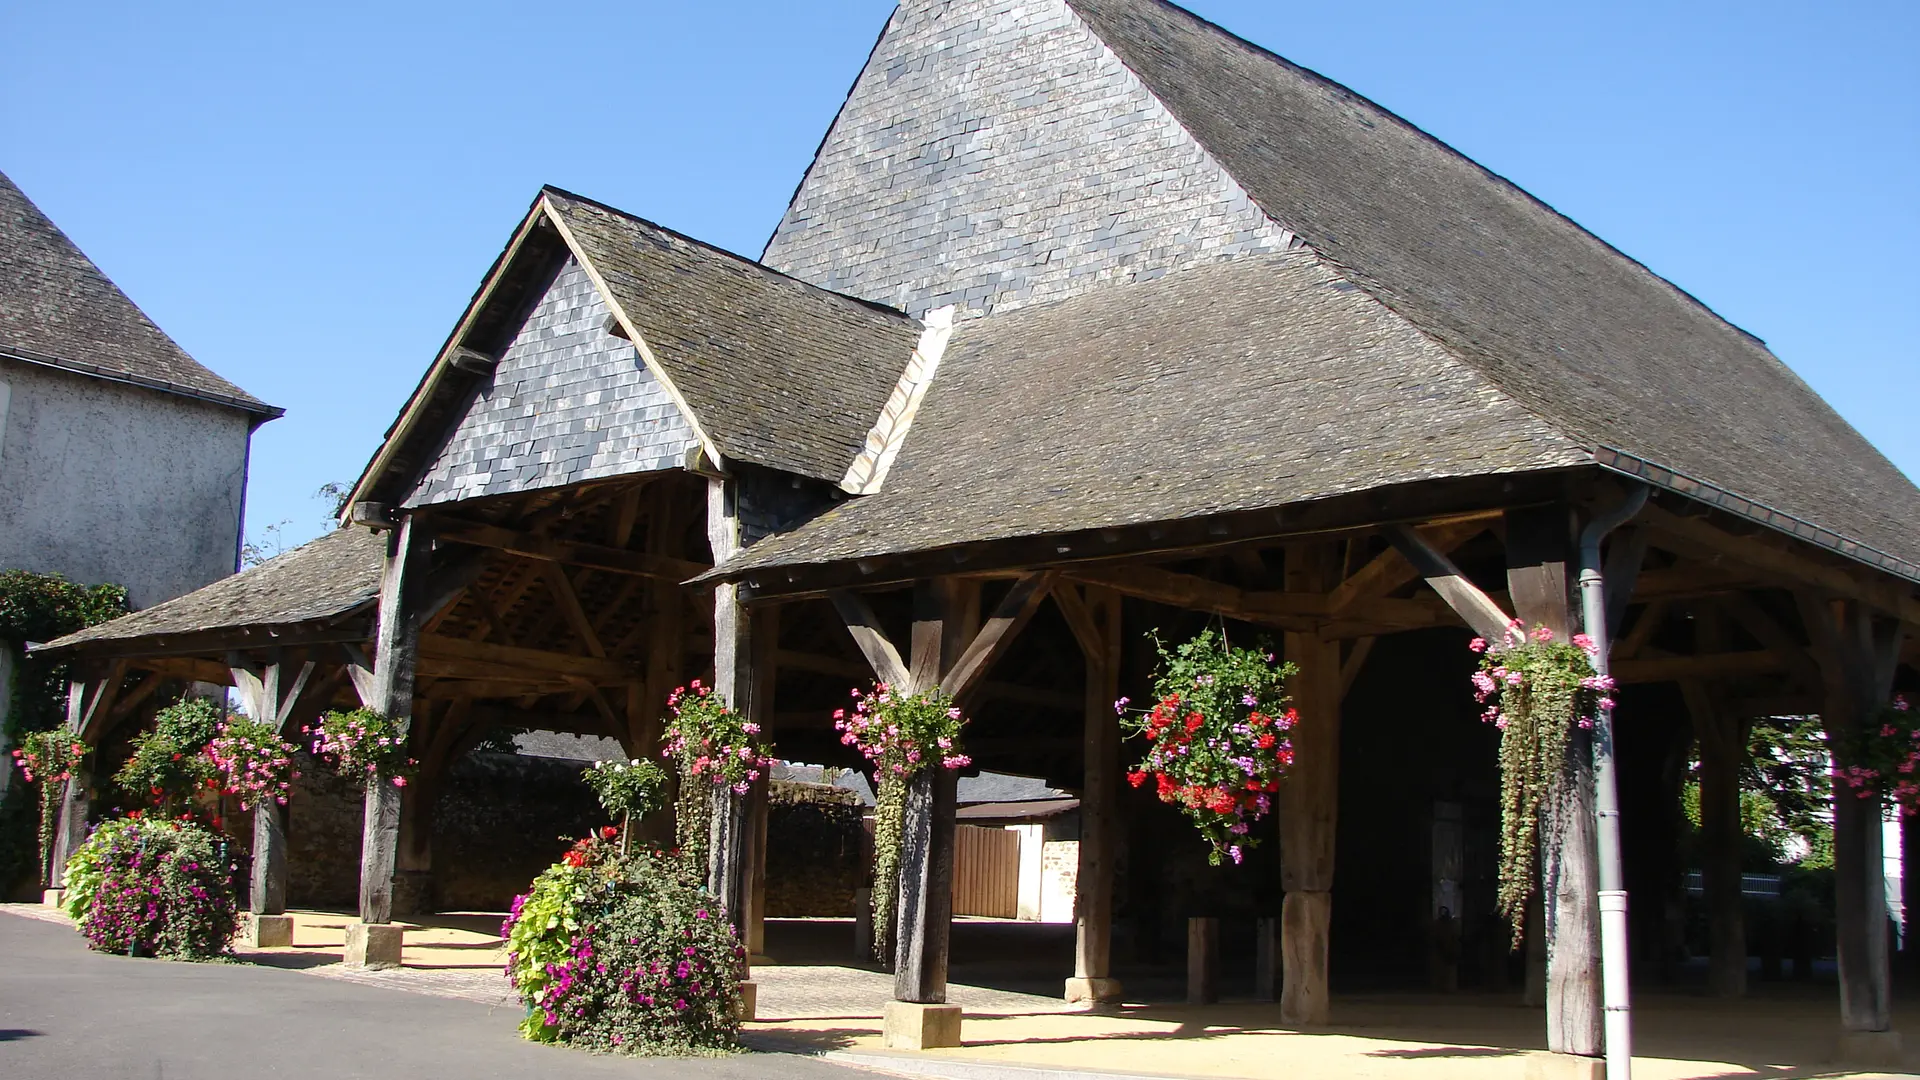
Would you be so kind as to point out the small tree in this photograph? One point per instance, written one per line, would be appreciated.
(170, 763)
(627, 790)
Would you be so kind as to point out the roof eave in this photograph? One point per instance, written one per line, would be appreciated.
(247, 405)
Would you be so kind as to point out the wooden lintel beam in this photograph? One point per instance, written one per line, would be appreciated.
(1709, 666)
(561, 665)
(998, 631)
(871, 638)
(1699, 538)
(572, 552)
(1475, 606)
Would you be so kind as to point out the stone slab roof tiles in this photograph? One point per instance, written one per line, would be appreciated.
(1238, 385)
(776, 372)
(57, 308)
(321, 580)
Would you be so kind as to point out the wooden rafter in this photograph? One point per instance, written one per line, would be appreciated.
(569, 603)
(1460, 593)
(572, 552)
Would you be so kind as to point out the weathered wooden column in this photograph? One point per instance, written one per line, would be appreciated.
(729, 877)
(1538, 540)
(1095, 620)
(924, 908)
(1309, 801)
(1857, 655)
(77, 802)
(274, 692)
(1722, 737)
(373, 942)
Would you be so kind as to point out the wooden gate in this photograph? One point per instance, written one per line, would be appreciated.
(986, 872)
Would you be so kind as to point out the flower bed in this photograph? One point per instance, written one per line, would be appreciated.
(625, 954)
(152, 888)
(1217, 736)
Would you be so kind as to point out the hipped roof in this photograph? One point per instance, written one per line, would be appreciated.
(1590, 355)
(324, 580)
(58, 309)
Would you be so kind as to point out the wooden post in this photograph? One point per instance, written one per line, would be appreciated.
(75, 805)
(396, 652)
(1537, 548)
(1309, 801)
(926, 887)
(1203, 960)
(1096, 622)
(1856, 654)
(1722, 750)
(268, 892)
(734, 681)
(1266, 958)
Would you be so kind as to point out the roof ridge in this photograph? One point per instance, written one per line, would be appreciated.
(730, 256)
(1396, 118)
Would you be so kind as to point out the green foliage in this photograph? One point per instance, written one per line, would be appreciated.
(627, 789)
(169, 763)
(889, 818)
(625, 954)
(1218, 734)
(1538, 690)
(154, 888)
(41, 607)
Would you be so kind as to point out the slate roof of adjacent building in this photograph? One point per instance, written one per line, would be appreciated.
(1210, 403)
(326, 579)
(777, 372)
(57, 308)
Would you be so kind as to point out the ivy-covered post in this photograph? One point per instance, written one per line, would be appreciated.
(740, 684)
(6, 714)
(1309, 801)
(76, 804)
(396, 652)
(1538, 546)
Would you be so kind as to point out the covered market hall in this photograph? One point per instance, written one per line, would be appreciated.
(1092, 323)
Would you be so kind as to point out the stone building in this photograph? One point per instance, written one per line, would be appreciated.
(1090, 319)
(122, 459)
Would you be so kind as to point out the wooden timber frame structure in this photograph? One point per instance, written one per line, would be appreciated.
(1317, 407)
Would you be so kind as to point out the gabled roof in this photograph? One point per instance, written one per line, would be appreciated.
(320, 581)
(766, 369)
(1237, 385)
(58, 309)
(1615, 356)
(777, 372)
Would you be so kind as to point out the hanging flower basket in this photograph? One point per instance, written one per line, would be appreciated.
(1538, 689)
(1884, 757)
(365, 745)
(254, 763)
(714, 749)
(49, 758)
(901, 734)
(1217, 736)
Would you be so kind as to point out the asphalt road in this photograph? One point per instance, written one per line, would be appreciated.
(72, 1014)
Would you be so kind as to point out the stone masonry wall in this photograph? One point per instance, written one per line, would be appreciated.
(568, 402)
(994, 153)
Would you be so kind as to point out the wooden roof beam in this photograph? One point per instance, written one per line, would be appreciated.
(571, 552)
(1763, 554)
(559, 665)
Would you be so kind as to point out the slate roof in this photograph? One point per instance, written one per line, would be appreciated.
(1612, 354)
(1248, 383)
(777, 372)
(57, 308)
(320, 580)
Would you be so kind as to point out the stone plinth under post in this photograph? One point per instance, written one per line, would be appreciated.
(269, 932)
(914, 1025)
(374, 945)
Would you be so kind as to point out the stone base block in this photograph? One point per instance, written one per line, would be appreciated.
(1871, 1050)
(373, 945)
(912, 1026)
(269, 932)
(1546, 1066)
(1098, 991)
(749, 1001)
(53, 897)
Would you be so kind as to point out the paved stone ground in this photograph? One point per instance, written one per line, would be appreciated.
(67, 1013)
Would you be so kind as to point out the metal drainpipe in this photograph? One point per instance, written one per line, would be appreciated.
(1606, 797)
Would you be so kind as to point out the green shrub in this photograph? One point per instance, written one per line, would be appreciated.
(170, 762)
(153, 888)
(625, 953)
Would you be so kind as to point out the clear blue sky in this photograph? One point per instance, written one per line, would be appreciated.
(305, 195)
